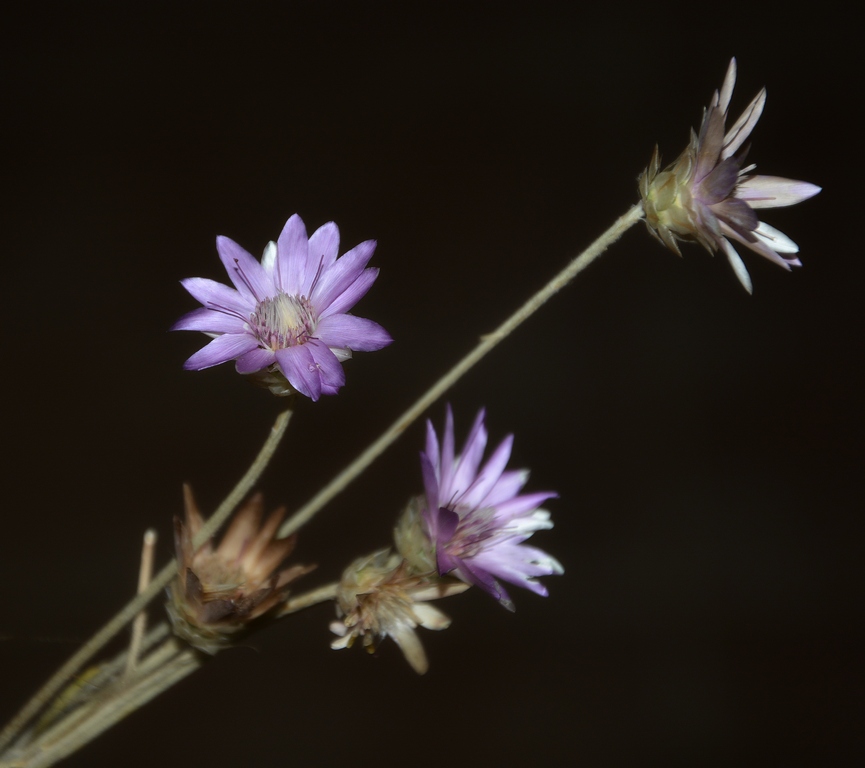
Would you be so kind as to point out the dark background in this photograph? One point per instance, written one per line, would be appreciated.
(706, 444)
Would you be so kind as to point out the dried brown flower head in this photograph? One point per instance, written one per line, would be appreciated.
(219, 591)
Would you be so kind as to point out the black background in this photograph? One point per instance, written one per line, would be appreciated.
(706, 444)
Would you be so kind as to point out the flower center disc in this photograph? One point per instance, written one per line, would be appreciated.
(283, 321)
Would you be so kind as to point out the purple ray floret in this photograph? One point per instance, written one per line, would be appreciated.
(287, 314)
(476, 518)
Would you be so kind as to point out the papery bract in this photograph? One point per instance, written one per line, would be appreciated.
(220, 589)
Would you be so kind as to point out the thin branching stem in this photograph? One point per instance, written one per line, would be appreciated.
(60, 678)
(139, 625)
(307, 599)
(487, 343)
(166, 666)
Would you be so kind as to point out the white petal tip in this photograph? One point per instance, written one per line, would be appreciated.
(738, 266)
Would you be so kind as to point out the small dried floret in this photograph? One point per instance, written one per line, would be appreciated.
(380, 597)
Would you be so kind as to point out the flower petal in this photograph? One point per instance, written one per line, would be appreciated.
(329, 368)
(323, 249)
(775, 239)
(247, 274)
(221, 350)
(466, 468)
(520, 505)
(255, 360)
(268, 260)
(428, 616)
(507, 486)
(446, 465)
(737, 264)
(355, 333)
(482, 578)
(210, 321)
(292, 255)
(298, 366)
(742, 128)
(727, 87)
(432, 448)
(217, 296)
(410, 645)
(774, 191)
(488, 477)
(760, 246)
(431, 486)
(341, 274)
(353, 294)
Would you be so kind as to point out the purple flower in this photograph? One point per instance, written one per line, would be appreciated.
(475, 518)
(708, 197)
(286, 316)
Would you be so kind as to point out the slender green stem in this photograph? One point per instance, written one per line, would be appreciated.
(139, 624)
(97, 642)
(307, 599)
(112, 668)
(487, 343)
(162, 669)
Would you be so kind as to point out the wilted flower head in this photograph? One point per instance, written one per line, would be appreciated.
(473, 518)
(379, 597)
(218, 591)
(708, 197)
(285, 322)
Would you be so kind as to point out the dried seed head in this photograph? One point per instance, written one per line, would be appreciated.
(378, 596)
(219, 591)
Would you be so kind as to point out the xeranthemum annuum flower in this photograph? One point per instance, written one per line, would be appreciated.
(474, 519)
(707, 196)
(285, 322)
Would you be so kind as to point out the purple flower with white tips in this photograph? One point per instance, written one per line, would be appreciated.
(707, 196)
(285, 322)
(476, 518)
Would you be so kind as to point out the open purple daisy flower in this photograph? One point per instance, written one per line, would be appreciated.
(285, 321)
(475, 517)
